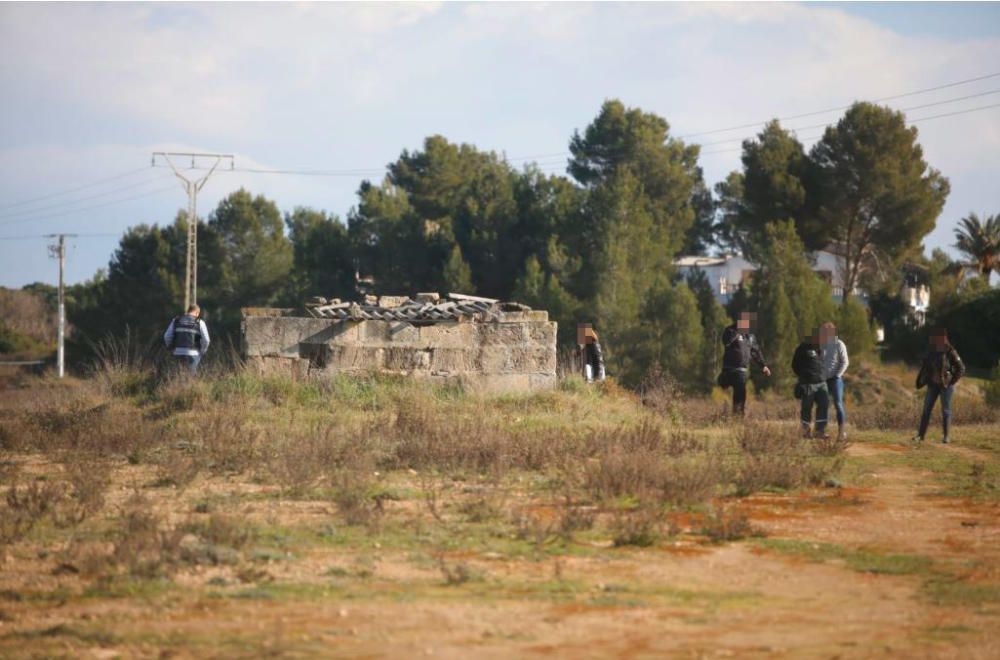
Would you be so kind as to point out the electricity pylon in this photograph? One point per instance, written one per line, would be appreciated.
(192, 187)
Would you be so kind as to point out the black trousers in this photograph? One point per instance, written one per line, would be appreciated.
(738, 381)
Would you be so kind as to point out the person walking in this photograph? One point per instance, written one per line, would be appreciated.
(740, 348)
(187, 336)
(807, 363)
(835, 363)
(591, 355)
(941, 369)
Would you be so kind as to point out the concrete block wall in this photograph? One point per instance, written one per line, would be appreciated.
(515, 352)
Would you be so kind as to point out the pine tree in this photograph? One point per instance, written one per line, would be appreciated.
(713, 322)
(791, 300)
(457, 275)
(671, 335)
(854, 328)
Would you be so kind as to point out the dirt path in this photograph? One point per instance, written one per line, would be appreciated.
(686, 600)
(893, 514)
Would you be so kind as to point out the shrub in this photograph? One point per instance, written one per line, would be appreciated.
(772, 457)
(144, 546)
(635, 525)
(88, 478)
(726, 524)
(26, 506)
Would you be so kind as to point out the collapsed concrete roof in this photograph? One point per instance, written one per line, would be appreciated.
(425, 307)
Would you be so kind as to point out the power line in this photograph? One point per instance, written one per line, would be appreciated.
(844, 107)
(48, 236)
(913, 107)
(88, 208)
(72, 202)
(73, 190)
(818, 135)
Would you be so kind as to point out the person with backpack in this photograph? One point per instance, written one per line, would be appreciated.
(740, 348)
(941, 369)
(807, 363)
(187, 336)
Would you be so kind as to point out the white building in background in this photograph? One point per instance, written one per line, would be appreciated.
(728, 272)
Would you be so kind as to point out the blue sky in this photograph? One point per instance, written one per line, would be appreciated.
(90, 90)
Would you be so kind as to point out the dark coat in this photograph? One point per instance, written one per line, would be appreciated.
(739, 349)
(807, 363)
(941, 368)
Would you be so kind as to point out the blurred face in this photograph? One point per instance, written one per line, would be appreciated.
(939, 341)
(745, 321)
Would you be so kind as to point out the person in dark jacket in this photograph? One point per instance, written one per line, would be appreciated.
(941, 369)
(187, 337)
(807, 363)
(591, 355)
(740, 348)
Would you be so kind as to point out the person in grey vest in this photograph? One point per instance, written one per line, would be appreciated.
(187, 337)
(835, 363)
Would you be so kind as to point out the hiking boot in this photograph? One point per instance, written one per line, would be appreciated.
(807, 434)
(821, 435)
(918, 440)
(945, 440)
(842, 434)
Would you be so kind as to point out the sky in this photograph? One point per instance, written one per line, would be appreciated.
(89, 91)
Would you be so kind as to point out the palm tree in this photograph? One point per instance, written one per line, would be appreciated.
(979, 240)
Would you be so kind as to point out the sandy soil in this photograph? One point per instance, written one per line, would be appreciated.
(684, 599)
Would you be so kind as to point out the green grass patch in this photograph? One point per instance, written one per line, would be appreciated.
(87, 635)
(949, 591)
(862, 560)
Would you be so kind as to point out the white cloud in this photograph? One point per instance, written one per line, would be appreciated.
(88, 88)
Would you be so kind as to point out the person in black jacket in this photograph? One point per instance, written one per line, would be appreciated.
(591, 355)
(941, 369)
(740, 348)
(807, 363)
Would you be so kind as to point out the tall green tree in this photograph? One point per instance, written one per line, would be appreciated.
(257, 256)
(713, 321)
(878, 196)
(639, 184)
(469, 196)
(702, 233)
(665, 170)
(322, 256)
(979, 241)
(541, 290)
(791, 300)
(457, 276)
(855, 329)
(670, 335)
(773, 185)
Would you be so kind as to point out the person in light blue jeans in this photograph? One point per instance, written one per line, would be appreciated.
(835, 363)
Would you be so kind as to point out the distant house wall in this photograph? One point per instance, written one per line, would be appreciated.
(726, 273)
(514, 351)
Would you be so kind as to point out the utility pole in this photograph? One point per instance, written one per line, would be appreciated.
(192, 187)
(59, 251)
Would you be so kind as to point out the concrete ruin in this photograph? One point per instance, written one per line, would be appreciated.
(478, 342)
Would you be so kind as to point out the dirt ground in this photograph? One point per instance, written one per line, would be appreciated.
(897, 554)
(793, 592)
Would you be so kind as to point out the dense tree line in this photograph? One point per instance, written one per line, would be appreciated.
(596, 245)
